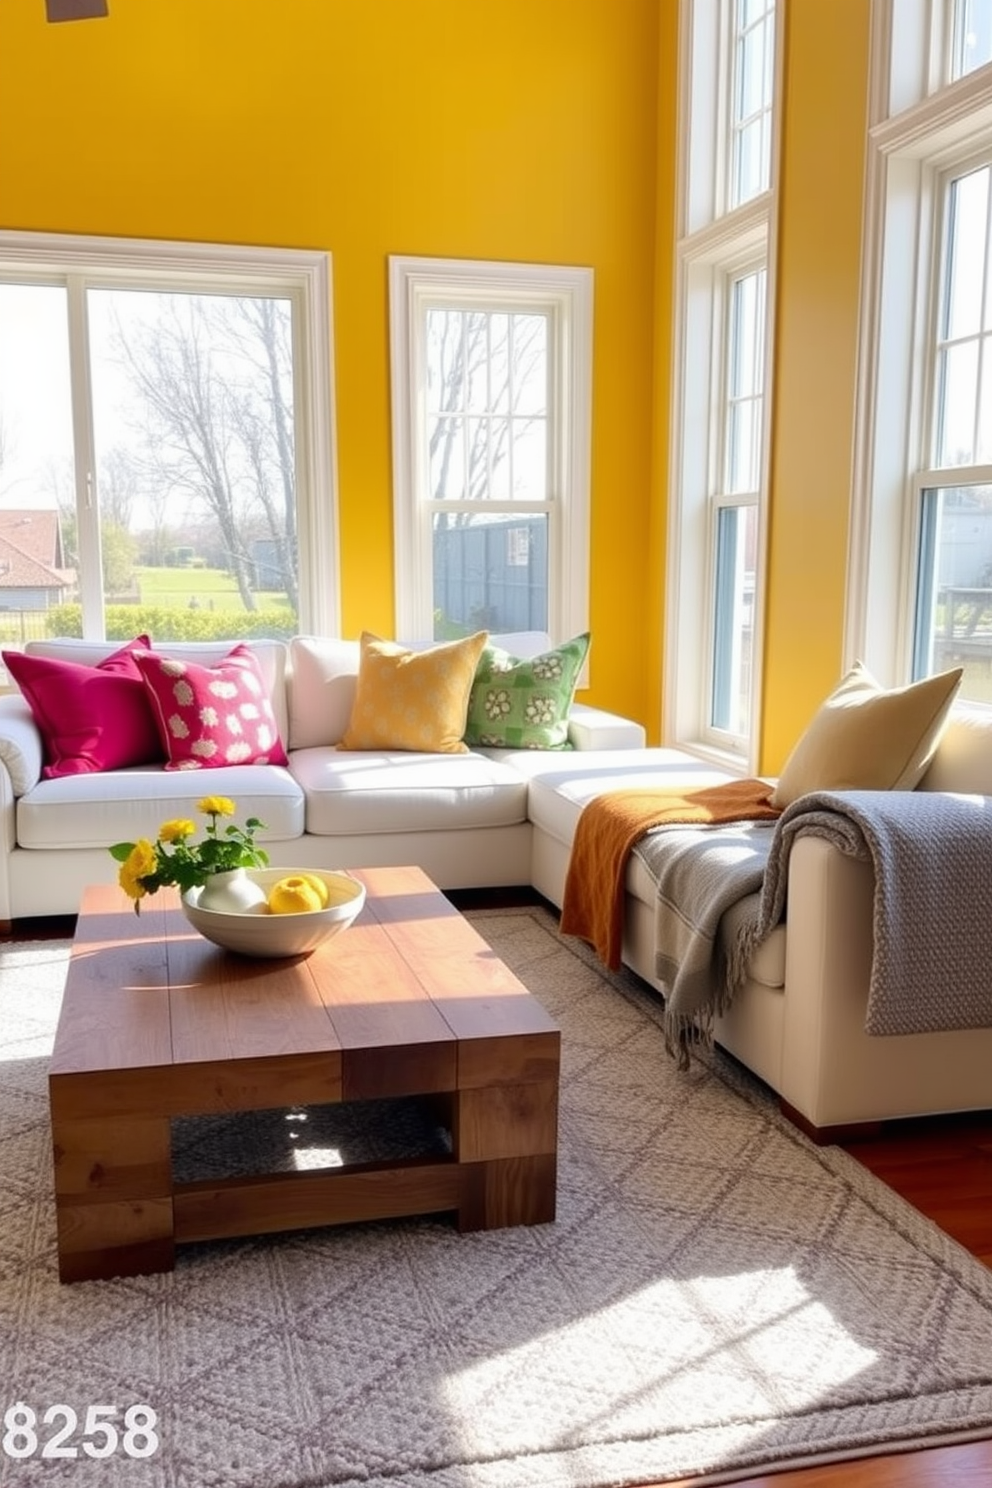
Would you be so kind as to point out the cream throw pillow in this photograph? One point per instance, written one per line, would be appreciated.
(413, 699)
(866, 737)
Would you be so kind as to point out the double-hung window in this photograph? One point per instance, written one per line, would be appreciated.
(719, 461)
(491, 376)
(165, 440)
(921, 571)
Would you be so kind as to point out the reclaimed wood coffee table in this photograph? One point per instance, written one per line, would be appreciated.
(157, 1023)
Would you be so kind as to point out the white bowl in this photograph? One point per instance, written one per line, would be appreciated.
(258, 932)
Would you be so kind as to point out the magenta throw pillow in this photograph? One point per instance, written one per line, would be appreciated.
(90, 717)
(212, 715)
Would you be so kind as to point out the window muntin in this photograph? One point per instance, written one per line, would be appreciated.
(491, 381)
(197, 498)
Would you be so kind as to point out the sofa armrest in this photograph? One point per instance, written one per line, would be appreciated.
(593, 728)
(21, 749)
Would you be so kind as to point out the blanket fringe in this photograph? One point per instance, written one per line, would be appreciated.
(686, 1031)
(683, 1032)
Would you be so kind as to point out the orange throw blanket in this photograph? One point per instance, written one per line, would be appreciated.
(607, 831)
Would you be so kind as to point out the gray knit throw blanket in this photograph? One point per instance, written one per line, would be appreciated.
(931, 854)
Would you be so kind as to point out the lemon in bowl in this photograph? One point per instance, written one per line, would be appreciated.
(302, 893)
(298, 926)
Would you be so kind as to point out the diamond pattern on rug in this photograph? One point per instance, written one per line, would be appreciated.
(716, 1294)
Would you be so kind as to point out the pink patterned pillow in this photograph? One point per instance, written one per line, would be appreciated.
(90, 717)
(212, 715)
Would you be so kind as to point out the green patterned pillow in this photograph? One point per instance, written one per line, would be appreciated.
(519, 703)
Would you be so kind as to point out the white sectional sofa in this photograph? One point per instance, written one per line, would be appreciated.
(492, 818)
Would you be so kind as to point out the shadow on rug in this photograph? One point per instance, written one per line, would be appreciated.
(716, 1295)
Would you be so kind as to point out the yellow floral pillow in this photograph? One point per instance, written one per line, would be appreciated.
(413, 699)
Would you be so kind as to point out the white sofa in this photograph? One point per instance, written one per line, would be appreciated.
(462, 817)
(494, 818)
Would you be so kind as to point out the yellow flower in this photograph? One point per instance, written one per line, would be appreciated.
(142, 860)
(132, 886)
(176, 831)
(140, 863)
(216, 806)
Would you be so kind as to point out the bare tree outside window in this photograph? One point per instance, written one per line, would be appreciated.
(487, 410)
(204, 386)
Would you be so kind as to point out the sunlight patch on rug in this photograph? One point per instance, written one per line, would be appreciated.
(786, 1348)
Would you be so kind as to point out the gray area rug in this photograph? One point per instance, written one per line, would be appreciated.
(716, 1295)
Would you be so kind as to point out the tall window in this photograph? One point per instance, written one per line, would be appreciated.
(921, 570)
(491, 380)
(164, 440)
(719, 453)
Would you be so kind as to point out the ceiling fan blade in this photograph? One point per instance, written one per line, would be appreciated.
(75, 10)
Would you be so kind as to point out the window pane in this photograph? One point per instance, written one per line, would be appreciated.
(194, 433)
(736, 542)
(36, 460)
(446, 448)
(972, 45)
(530, 460)
(957, 378)
(529, 364)
(954, 594)
(490, 572)
(966, 254)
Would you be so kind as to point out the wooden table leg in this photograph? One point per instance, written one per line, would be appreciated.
(506, 1139)
(113, 1197)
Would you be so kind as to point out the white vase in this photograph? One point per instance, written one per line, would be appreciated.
(232, 892)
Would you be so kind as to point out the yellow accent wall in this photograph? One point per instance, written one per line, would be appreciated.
(533, 130)
(815, 362)
(519, 130)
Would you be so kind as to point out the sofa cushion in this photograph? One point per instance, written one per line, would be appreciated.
(123, 805)
(89, 717)
(323, 675)
(416, 700)
(212, 716)
(561, 784)
(866, 737)
(366, 792)
(524, 702)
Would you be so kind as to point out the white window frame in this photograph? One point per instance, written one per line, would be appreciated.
(921, 127)
(566, 293)
(302, 277)
(713, 246)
